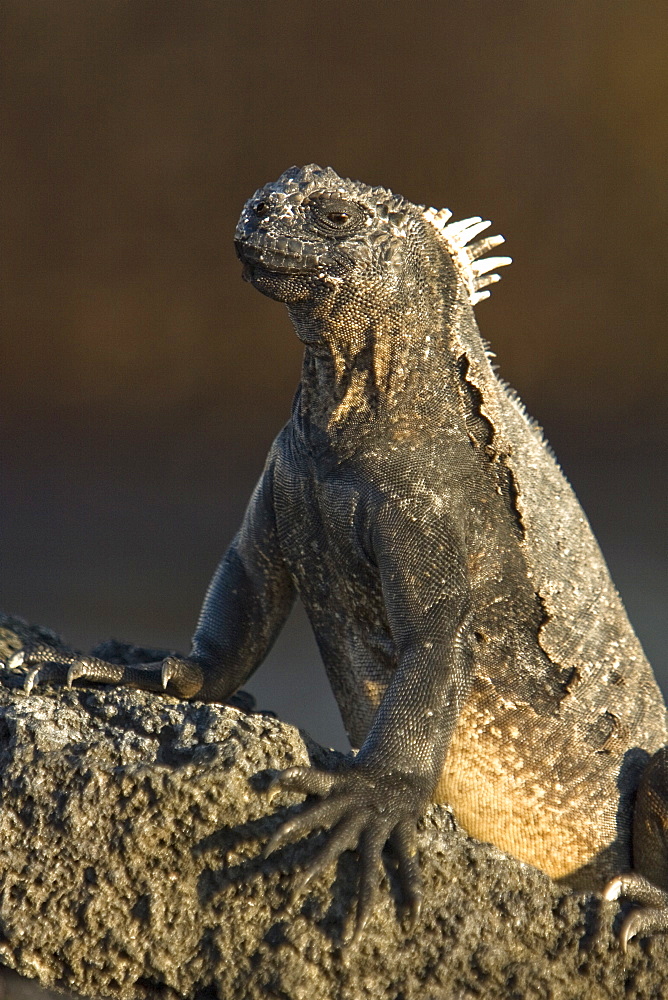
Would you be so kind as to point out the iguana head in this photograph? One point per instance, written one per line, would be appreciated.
(377, 289)
(305, 234)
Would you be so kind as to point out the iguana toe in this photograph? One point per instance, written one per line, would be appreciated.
(405, 850)
(651, 915)
(362, 811)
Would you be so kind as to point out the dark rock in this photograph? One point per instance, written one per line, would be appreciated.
(132, 829)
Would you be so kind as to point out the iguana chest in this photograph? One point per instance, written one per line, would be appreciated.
(320, 517)
(317, 513)
(325, 516)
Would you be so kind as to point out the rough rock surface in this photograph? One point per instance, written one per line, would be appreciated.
(131, 832)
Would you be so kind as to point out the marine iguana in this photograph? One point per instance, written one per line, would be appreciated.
(476, 646)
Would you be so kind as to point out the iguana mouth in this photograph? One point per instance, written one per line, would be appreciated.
(279, 254)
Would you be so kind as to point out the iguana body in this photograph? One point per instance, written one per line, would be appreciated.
(477, 649)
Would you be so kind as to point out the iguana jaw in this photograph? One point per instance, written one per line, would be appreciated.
(281, 255)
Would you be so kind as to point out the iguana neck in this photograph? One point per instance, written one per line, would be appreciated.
(369, 374)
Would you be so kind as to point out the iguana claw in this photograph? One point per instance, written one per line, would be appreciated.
(31, 678)
(15, 661)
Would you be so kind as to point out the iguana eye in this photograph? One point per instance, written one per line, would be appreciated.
(261, 208)
(338, 218)
(333, 212)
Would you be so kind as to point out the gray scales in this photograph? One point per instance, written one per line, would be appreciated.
(477, 648)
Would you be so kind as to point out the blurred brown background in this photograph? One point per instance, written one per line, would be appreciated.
(141, 381)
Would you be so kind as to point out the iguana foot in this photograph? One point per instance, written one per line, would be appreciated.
(179, 676)
(650, 916)
(364, 810)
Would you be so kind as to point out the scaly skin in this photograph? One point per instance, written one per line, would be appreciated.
(476, 646)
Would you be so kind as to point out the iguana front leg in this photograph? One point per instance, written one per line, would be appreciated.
(380, 795)
(245, 607)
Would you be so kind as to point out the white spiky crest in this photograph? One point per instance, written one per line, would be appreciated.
(477, 271)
